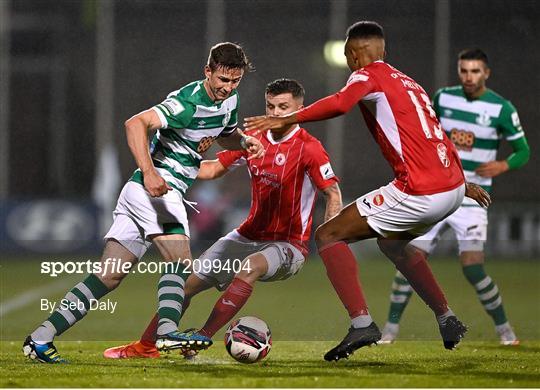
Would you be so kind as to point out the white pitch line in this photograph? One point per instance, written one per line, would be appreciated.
(21, 300)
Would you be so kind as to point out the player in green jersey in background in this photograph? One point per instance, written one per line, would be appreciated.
(476, 119)
(150, 208)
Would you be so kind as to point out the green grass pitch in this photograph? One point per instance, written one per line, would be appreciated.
(306, 319)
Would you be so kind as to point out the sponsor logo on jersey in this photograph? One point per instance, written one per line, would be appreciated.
(226, 118)
(441, 152)
(326, 171)
(205, 143)
(483, 119)
(173, 106)
(356, 77)
(270, 179)
(280, 159)
(254, 169)
(515, 121)
(378, 200)
(366, 202)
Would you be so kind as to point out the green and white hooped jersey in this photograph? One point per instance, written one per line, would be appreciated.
(190, 122)
(476, 128)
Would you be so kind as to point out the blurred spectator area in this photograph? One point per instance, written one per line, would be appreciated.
(61, 58)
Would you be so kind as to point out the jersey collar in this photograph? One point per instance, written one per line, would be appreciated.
(284, 139)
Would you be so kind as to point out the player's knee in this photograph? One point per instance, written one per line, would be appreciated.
(111, 281)
(471, 258)
(251, 270)
(326, 234)
(189, 292)
(386, 248)
(394, 250)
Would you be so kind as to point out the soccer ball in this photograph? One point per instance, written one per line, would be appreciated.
(248, 339)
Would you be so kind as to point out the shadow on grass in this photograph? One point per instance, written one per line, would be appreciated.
(511, 348)
(308, 368)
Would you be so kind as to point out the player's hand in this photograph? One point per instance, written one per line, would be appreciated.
(265, 122)
(492, 168)
(254, 147)
(481, 196)
(155, 184)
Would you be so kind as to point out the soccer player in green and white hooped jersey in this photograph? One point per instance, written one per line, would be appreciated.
(476, 119)
(150, 208)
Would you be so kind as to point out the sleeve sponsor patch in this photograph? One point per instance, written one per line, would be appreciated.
(356, 77)
(173, 106)
(515, 120)
(326, 171)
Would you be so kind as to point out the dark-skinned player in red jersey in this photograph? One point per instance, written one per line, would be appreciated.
(428, 186)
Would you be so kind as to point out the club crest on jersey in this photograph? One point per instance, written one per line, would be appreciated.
(441, 152)
(483, 119)
(226, 118)
(378, 200)
(280, 159)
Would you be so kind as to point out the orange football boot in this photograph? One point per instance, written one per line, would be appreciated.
(136, 349)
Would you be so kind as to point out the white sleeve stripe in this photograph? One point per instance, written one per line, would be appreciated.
(162, 118)
(515, 136)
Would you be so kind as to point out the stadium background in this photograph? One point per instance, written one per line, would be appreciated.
(73, 71)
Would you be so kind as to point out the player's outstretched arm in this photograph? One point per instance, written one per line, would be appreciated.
(481, 196)
(268, 122)
(211, 169)
(325, 108)
(239, 140)
(137, 129)
(334, 203)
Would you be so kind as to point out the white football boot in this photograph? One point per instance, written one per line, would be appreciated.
(389, 333)
(506, 334)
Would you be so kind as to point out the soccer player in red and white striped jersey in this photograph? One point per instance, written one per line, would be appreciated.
(428, 184)
(273, 239)
(284, 184)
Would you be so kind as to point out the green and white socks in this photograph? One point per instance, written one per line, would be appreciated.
(487, 292)
(399, 298)
(71, 309)
(171, 298)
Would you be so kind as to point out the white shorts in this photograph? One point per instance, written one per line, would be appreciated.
(138, 215)
(284, 259)
(389, 210)
(469, 225)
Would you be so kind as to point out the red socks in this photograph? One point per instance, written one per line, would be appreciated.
(230, 303)
(149, 336)
(150, 333)
(417, 271)
(342, 271)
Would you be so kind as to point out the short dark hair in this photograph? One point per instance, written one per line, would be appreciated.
(279, 86)
(473, 54)
(365, 29)
(228, 55)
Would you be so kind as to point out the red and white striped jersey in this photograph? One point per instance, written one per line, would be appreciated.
(284, 185)
(400, 117)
